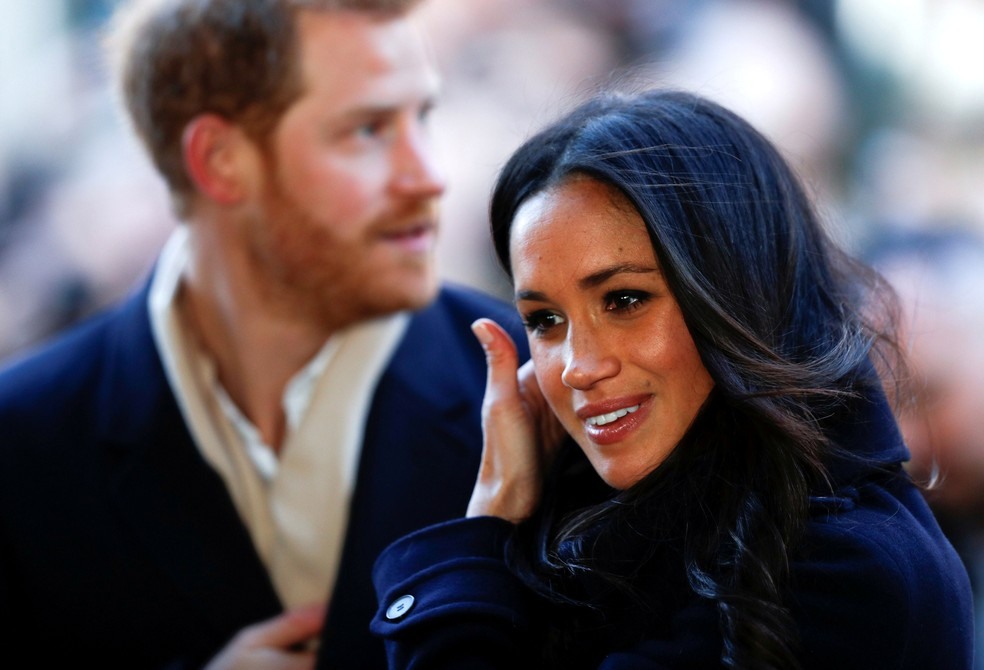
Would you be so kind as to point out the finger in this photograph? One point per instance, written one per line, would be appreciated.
(501, 357)
(273, 659)
(550, 432)
(288, 629)
(296, 661)
(531, 395)
(528, 384)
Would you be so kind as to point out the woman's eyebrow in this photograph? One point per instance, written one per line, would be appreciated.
(535, 296)
(603, 275)
(592, 280)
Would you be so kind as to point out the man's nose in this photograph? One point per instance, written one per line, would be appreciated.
(417, 172)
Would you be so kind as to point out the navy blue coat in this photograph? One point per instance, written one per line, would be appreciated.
(120, 545)
(875, 585)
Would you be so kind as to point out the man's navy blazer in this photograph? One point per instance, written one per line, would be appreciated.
(120, 545)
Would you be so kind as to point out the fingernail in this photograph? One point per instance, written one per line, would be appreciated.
(482, 333)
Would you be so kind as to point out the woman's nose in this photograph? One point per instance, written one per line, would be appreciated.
(587, 361)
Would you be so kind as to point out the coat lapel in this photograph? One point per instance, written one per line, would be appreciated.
(422, 434)
(175, 504)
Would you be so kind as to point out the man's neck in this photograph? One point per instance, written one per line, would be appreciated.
(256, 350)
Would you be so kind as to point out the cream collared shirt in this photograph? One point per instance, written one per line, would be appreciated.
(295, 506)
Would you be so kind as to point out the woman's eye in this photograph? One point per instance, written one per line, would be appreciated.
(542, 321)
(625, 301)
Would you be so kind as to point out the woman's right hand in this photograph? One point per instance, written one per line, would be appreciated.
(522, 434)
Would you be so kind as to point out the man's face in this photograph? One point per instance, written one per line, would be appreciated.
(344, 222)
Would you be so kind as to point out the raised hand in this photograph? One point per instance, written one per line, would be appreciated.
(521, 432)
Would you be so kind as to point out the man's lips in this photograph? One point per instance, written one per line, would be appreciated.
(415, 237)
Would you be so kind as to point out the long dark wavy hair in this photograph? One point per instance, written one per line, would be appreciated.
(777, 313)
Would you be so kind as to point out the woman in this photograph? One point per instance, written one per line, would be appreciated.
(735, 496)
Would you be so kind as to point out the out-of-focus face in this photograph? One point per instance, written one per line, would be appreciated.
(613, 356)
(344, 223)
(944, 317)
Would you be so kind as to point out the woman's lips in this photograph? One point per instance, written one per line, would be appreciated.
(612, 421)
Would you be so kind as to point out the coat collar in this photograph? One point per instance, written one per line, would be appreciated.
(175, 504)
(866, 436)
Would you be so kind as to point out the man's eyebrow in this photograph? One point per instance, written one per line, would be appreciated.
(370, 109)
(593, 279)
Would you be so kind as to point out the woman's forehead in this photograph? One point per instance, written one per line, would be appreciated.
(579, 228)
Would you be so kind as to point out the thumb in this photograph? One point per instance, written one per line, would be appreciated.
(500, 357)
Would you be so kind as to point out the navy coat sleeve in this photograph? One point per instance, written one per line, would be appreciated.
(877, 587)
(447, 599)
(469, 611)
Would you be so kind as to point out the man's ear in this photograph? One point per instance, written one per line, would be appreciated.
(216, 156)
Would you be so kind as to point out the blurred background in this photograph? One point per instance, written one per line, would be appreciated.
(878, 103)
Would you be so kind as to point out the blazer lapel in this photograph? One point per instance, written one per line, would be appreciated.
(422, 434)
(175, 504)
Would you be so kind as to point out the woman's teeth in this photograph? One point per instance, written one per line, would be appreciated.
(602, 419)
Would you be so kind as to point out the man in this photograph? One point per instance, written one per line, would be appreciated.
(285, 396)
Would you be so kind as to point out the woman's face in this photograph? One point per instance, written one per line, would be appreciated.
(613, 356)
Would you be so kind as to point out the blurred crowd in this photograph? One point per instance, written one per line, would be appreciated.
(878, 103)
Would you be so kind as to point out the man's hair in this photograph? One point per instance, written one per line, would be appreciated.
(176, 59)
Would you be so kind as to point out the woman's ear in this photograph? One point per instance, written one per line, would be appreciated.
(214, 156)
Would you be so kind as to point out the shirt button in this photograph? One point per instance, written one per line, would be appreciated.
(399, 608)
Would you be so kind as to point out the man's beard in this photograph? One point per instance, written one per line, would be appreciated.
(306, 275)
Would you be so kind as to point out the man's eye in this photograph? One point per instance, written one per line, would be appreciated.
(370, 129)
(542, 321)
(625, 301)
